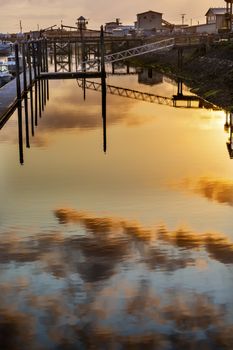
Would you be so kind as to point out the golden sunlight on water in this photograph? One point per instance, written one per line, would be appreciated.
(123, 249)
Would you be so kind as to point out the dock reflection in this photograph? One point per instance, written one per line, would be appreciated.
(30, 118)
(38, 95)
(229, 128)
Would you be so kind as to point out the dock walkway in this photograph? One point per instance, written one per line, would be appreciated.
(8, 97)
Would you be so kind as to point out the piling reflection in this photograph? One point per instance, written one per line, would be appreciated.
(33, 120)
(229, 128)
(76, 117)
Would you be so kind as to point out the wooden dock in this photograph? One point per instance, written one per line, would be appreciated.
(8, 97)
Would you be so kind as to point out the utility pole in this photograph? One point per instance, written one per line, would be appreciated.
(20, 26)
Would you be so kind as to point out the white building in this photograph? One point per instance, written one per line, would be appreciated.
(215, 22)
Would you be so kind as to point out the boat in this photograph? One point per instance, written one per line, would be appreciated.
(5, 47)
(12, 64)
(5, 75)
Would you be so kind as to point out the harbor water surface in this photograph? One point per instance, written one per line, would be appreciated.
(125, 249)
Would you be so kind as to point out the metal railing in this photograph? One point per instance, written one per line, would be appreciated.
(165, 44)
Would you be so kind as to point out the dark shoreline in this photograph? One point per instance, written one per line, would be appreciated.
(209, 74)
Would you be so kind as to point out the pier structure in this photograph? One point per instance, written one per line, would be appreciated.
(79, 56)
(47, 59)
(229, 14)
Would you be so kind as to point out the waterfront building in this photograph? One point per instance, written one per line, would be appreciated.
(216, 21)
(149, 21)
(216, 16)
(110, 26)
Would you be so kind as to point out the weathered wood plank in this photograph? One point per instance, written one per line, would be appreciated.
(69, 75)
(8, 97)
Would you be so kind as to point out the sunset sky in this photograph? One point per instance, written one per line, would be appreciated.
(49, 12)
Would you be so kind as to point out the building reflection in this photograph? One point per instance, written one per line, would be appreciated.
(149, 76)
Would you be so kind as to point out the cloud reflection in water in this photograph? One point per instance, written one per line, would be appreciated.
(218, 190)
(93, 287)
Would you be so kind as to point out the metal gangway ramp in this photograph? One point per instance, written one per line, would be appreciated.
(161, 45)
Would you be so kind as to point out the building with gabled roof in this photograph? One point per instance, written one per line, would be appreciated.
(218, 17)
(149, 21)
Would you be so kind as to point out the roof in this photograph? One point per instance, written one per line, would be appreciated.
(143, 13)
(112, 23)
(81, 18)
(217, 10)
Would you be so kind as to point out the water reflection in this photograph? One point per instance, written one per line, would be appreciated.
(218, 246)
(80, 117)
(149, 76)
(99, 286)
(214, 189)
(229, 128)
(33, 120)
(96, 278)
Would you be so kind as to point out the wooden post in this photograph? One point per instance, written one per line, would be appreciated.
(103, 84)
(20, 132)
(39, 70)
(47, 90)
(47, 67)
(34, 59)
(18, 85)
(46, 56)
(18, 89)
(26, 121)
(69, 55)
(98, 54)
(75, 54)
(24, 68)
(25, 94)
(32, 110)
(29, 50)
(36, 102)
(55, 55)
(29, 63)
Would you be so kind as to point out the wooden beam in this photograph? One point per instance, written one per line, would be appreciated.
(69, 75)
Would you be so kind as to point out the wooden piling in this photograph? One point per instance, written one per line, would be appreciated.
(20, 132)
(18, 88)
(36, 103)
(29, 50)
(26, 121)
(69, 55)
(17, 67)
(104, 90)
(24, 68)
(55, 55)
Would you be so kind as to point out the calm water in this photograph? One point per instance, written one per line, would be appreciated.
(128, 249)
